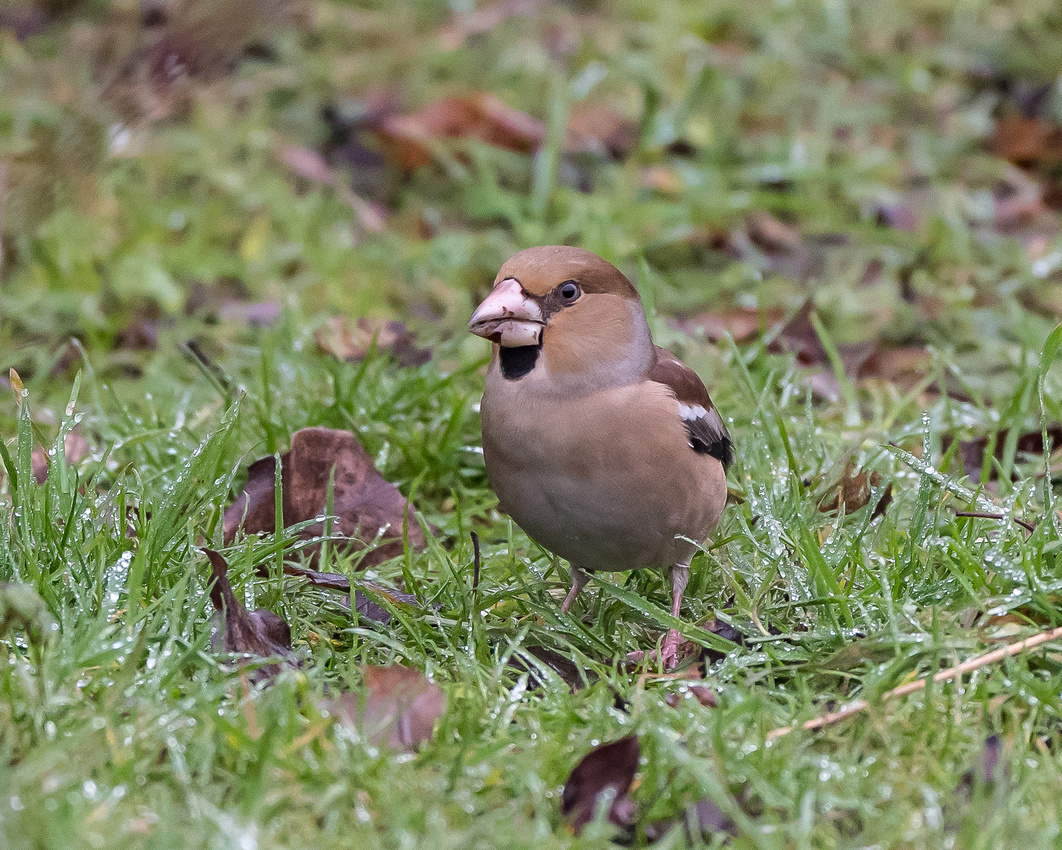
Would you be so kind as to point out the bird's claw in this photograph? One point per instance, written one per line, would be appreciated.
(667, 655)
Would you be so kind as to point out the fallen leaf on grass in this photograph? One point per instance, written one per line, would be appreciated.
(1027, 142)
(971, 453)
(25, 19)
(771, 234)
(338, 338)
(261, 633)
(853, 490)
(397, 707)
(800, 338)
(742, 323)
(986, 769)
(312, 166)
(370, 511)
(411, 140)
(598, 129)
(574, 676)
(705, 696)
(75, 448)
(703, 819)
(604, 774)
(859, 360)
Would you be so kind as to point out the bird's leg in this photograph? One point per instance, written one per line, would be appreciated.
(680, 576)
(579, 580)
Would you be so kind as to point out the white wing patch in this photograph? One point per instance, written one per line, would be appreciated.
(689, 412)
(706, 431)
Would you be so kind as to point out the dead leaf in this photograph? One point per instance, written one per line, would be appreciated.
(853, 490)
(703, 819)
(397, 707)
(411, 140)
(146, 71)
(605, 772)
(75, 448)
(260, 633)
(371, 511)
(800, 338)
(336, 337)
(595, 128)
(141, 333)
(705, 696)
(574, 676)
(985, 771)
(255, 314)
(972, 452)
(742, 323)
(367, 608)
(1027, 141)
(771, 234)
(312, 166)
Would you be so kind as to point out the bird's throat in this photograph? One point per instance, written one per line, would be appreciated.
(517, 362)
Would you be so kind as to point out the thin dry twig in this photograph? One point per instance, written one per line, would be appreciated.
(861, 705)
(1028, 526)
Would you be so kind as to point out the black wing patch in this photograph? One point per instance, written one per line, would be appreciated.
(708, 434)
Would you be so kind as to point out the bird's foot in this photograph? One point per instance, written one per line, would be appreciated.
(669, 651)
(667, 656)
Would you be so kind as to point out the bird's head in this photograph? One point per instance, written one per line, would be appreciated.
(568, 311)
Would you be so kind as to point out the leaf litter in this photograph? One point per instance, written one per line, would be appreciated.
(372, 516)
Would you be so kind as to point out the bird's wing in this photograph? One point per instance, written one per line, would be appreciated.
(707, 432)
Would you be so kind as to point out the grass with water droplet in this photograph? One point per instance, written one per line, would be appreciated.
(120, 726)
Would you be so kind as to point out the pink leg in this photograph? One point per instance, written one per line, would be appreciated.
(579, 580)
(680, 576)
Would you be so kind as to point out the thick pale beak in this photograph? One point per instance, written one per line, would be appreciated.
(508, 317)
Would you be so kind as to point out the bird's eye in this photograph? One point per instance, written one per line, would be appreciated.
(569, 290)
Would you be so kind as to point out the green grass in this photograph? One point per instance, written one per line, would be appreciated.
(120, 726)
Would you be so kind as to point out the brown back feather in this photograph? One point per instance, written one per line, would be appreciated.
(707, 433)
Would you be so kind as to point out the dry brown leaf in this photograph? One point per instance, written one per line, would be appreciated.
(75, 448)
(370, 510)
(853, 490)
(972, 452)
(742, 323)
(411, 139)
(312, 166)
(594, 128)
(770, 234)
(986, 769)
(1027, 141)
(398, 707)
(261, 633)
(338, 338)
(609, 767)
(704, 696)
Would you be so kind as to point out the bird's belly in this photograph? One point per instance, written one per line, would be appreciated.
(572, 478)
(608, 523)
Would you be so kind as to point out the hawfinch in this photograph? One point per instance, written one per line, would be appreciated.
(603, 447)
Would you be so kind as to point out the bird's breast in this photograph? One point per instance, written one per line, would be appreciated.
(607, 481)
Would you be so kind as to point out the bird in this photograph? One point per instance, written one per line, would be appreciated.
(603, 447)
